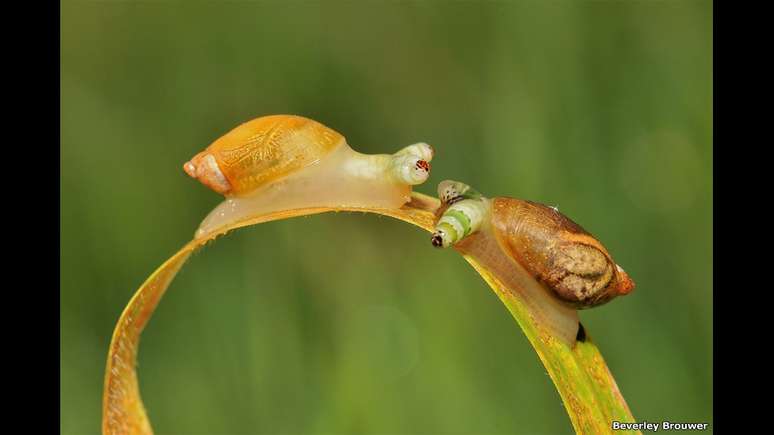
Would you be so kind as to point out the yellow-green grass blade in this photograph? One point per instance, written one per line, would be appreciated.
(588, 389)
(580, 374)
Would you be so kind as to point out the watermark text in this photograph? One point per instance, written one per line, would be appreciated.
(655, 427)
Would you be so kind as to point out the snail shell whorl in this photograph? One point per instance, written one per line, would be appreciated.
(261, 151)
(558, 252)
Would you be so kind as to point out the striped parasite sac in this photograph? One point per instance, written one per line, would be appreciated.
(283, 162)
(553, 249)
(464, 212)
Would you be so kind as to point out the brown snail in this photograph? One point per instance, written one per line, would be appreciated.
(283, 162)
(515, 235)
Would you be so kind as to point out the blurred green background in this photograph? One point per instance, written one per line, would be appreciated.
(352, 323)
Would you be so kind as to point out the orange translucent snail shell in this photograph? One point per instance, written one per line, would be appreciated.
(260, 151)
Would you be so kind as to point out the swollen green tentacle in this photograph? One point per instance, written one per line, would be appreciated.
(467, 210)
(411, 165)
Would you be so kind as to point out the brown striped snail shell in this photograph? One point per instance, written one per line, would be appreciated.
(557, 252)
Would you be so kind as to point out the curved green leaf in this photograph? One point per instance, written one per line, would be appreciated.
(587, 388)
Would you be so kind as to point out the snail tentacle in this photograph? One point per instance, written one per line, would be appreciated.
(411, 165)
(465, 213)
(458, 221)
(409, 168)
(420, 149)
(450, 191)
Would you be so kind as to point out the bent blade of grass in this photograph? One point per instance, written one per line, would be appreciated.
(587, 388)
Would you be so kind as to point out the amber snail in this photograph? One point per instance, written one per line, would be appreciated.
(282, 162)
(558, 253)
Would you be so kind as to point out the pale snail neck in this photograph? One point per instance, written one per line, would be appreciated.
(552, 318)
(367, 166)
(344, 178)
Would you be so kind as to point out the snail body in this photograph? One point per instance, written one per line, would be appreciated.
(559, 254)
(282, 162)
